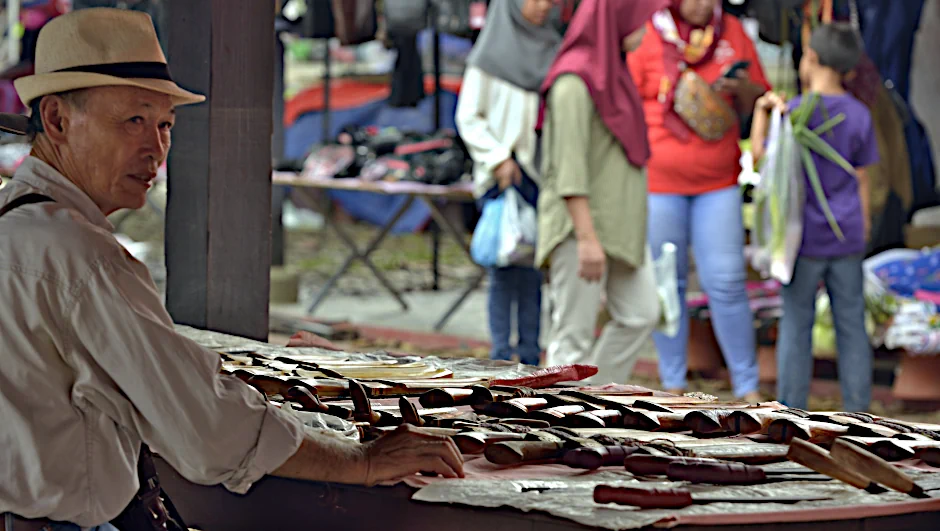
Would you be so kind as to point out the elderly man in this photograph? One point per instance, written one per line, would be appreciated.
(92, 367)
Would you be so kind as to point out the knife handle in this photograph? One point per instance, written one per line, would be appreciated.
(643, 498)
(716, 473)
(656, 465)
(362, 407)
(472, 442)
(521, 452)
(876, 468)
(594, 458)
(812, 456)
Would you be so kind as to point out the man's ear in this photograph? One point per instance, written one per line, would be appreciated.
(54, 112)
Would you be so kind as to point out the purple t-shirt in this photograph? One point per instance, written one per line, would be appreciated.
(855, 140)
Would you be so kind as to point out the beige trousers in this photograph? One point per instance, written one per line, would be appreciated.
(632, 302)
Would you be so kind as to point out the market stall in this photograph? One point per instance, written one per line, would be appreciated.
(541, 453)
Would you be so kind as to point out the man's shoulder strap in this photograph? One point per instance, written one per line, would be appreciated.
(24, 200)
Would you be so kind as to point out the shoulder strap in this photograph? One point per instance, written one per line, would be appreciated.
(24, 200)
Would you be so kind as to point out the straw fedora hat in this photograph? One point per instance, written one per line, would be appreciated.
(100, 47)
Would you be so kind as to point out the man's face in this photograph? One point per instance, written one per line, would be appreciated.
(115, 143)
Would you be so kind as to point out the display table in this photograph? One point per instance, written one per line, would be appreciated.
(276, 504)
(550, 493)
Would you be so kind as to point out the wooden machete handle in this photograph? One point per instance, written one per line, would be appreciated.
(870, 465)
(362, 408)
(812, 456)
(657, 465)
(520, 452)
(643, 498)
(306, 399)
(716, 473)
(409, 414)
(594, 458)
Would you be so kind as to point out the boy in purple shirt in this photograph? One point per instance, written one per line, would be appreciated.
(834, 51)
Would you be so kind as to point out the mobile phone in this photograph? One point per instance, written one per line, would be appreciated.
(733, 70)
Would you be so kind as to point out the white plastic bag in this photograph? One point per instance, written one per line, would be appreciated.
(781, 186)
(667, 287)
(517, 234)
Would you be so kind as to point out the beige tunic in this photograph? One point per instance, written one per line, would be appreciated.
(582, 158)
(92, 366)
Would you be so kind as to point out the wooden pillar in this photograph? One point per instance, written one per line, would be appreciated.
(279, 193)
(218, 219)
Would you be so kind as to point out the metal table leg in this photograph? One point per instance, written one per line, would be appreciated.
(474, 283)
(363, 256)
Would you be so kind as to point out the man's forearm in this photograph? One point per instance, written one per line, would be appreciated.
(326, 457)
(580, 211)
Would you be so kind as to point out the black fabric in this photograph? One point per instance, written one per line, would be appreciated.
(318, 22)
(779, 19)
(408, 77)
(28, 199)
(151, 509)
(140, 70)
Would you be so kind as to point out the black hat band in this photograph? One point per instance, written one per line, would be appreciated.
(139, 70)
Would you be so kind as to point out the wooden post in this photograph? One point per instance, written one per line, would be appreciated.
(218, 219)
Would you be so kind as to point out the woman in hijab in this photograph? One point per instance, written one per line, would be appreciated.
(592, 207)
(496, 115)
(694, 198)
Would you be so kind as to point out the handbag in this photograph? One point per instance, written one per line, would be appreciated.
(405, 17)
(355, 21)
(706, 113)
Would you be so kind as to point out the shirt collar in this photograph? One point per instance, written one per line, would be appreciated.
(50, 182)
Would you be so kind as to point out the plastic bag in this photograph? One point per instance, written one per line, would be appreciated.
(781, 191)
(667, 287)
(484, 245)
(518, 228)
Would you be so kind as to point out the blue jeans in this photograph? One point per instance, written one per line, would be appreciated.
(845, 285)
(711, 224)
(519, 289)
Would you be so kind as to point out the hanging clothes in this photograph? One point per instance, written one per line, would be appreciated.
(408, 77)
(925, 76)
(888, 29)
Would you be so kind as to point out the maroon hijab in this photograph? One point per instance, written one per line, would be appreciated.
(592, 50)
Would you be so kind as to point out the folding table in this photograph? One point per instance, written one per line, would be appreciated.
(426, 193)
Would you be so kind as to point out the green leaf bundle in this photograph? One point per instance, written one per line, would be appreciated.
(810, 141)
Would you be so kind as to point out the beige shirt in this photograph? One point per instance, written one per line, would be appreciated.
(583, 158)
(495, 120)
(92, 366)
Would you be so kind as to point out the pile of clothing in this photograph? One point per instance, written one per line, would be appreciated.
(374, 154)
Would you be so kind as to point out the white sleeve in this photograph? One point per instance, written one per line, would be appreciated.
(472, 122)
(212, 428)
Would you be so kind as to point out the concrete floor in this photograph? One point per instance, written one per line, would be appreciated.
(382, 310)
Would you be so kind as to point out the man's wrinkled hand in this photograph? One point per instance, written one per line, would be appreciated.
(409, 450)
